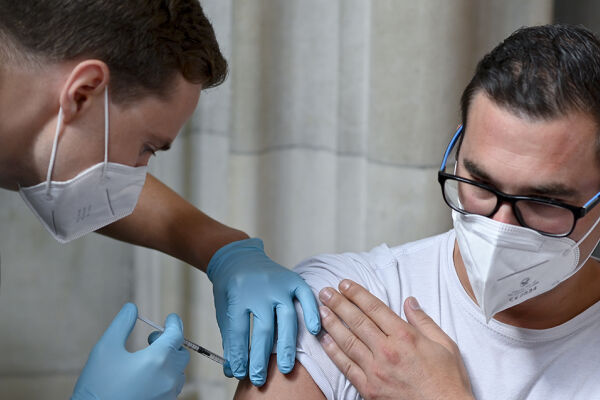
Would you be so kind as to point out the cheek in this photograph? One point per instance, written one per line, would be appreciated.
(127, 150)
(127, 155)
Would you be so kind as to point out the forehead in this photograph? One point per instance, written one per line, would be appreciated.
(518, 151)
(165, 115)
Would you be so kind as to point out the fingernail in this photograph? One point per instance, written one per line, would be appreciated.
(325, 339)
(345, 284)
(324, 311)
(325, 294)
(414, 304)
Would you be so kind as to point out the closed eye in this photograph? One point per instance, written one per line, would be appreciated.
(147, 149)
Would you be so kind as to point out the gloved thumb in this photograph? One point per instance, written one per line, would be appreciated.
(121, 326)
(173, 334)
(425, 325)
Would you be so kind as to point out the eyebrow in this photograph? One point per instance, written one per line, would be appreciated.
(551, 189)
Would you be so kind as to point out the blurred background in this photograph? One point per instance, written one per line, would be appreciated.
(326, 137)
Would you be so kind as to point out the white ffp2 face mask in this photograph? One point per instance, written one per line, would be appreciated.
(96, 197)
(508, 264)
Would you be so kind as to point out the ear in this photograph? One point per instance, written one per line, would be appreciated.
(86, 82)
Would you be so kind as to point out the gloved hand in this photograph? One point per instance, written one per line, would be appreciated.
(246, 281)
(155, 372)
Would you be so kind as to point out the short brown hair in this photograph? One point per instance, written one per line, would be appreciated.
(143, 42)
(542, 72)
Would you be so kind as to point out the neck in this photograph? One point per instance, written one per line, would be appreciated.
(28, 103)
(550, 309)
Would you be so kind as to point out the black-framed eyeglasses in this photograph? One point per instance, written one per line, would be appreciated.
(546, 216)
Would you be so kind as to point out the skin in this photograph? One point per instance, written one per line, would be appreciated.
(385, 357)
(30, 98)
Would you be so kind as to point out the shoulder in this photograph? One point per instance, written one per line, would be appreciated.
(382, 261)
(425, 245)
(340, 264)
(386, 272)
(426, 253)
(366, 269)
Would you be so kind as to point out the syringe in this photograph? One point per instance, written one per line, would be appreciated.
(189, 344)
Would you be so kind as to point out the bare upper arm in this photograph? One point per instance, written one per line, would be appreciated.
(298, 384)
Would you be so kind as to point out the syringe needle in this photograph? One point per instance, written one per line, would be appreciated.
(187, 343)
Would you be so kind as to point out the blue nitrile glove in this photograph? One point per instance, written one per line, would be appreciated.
(155, 372)
(246, 281)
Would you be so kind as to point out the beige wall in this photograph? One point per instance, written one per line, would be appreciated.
(325, 138)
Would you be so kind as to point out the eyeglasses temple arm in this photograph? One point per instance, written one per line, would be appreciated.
(593, 201)
(451, 146)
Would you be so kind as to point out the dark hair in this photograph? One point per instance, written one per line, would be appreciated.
(143, 42)
(542, 72)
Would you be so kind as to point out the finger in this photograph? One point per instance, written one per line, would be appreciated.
(223, 321)
(227, 369)
(235, 341)
(387, 320)
(173, 334)
(351, 345)
(424, 324)
(358, 322)
(153, 336)
(349, 368)
(287, 328)
(121, 326)
(262, 345)
(223, 328)
(310, 308)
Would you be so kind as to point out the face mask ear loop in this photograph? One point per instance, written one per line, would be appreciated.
(53, 154)
(105, 130)
(587, 233)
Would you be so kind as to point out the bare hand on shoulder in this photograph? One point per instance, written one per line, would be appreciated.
(385, 357)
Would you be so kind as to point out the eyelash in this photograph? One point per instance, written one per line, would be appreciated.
(148, 149)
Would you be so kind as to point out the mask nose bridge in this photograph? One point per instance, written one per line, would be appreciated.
(502, 235)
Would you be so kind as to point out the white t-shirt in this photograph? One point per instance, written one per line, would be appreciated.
(503, 362)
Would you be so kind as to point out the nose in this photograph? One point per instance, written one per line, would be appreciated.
(505, 214)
